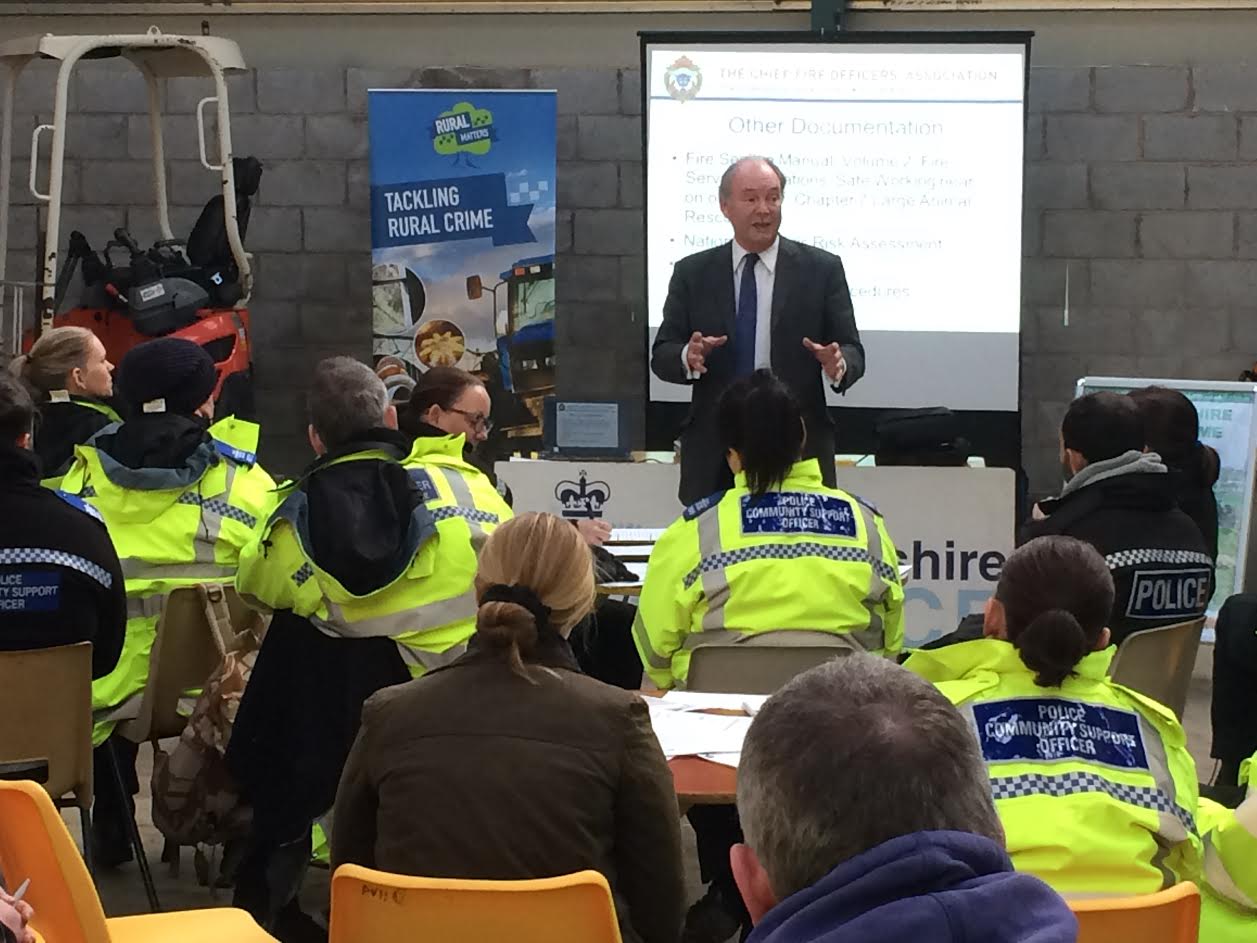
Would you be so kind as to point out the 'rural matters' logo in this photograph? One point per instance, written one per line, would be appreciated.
(464, 129)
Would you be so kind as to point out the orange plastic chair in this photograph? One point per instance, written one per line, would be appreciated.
(35, 844)
(1169, 916)
(376, 907)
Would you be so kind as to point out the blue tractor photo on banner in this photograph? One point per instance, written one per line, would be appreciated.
(462, 237)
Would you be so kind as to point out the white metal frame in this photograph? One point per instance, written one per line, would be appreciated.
(157, 55)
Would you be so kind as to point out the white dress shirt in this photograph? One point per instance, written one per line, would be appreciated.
(765, 272)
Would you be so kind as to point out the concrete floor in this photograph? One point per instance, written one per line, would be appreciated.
(122, 892)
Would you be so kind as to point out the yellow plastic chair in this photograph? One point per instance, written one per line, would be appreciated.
(371, 906)
(1169, 916)
(35, 844)
(1158, 663)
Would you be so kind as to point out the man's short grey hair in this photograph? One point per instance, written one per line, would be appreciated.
(726, 179)
(346, 400)
(850, 755)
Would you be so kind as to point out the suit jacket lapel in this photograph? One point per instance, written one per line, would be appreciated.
(722, 289)
(782, 279)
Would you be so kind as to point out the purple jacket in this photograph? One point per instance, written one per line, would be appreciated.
(929, 887)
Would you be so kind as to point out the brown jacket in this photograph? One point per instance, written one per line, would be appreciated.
(472, 772)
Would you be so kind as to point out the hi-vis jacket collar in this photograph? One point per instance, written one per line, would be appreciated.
(447, 447)
(806, 473)
(995, 656)
(294, 508)
(204, 457)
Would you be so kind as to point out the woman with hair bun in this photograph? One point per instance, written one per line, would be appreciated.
(511, 764)
(1093, 782)
(71, 380)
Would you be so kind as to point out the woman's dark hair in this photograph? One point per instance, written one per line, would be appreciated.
(1172, 428)
(439, 386)
(1057, 594)
(760, 419)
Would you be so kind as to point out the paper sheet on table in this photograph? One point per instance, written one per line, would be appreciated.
(702, 701)
(682, 733)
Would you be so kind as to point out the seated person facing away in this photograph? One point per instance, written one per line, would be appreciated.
(778, 551)
(1172, 430)
(1121, 500)
(1093, 781)
(180, 498)
(868, 816)
(367, 566)
(1231, 863)
(542, 770)
(71, 379)
(60, 580)
(1234, 707)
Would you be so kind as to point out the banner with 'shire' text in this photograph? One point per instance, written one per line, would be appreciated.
(462, 241)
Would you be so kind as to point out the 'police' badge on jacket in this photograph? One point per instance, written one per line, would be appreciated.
(797, 512)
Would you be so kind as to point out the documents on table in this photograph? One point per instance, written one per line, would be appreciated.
(687, 733)
(635, 535)
(704, 701)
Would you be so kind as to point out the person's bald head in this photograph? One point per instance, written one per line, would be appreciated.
(751, 191)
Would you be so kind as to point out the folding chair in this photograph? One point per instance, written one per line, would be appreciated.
(1158, 663)
(54, 733)
(762, 663)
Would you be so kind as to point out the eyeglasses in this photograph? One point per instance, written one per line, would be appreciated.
(478, 421)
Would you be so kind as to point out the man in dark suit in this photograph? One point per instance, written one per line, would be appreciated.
(760, 300)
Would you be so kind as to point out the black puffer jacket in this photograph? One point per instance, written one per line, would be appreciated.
(1126, 508)
(60, 581)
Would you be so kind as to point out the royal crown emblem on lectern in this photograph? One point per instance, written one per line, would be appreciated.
(582, 498)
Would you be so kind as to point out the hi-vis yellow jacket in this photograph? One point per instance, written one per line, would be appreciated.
(1228, 912)
(1093, 782)
(428, 607)
(171, 527)
(1095, 787)
(802, 557)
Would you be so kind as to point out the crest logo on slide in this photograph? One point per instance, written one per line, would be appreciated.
(683, 79)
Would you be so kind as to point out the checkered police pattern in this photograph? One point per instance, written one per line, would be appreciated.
(219, 507)
(719, 561)
(526, 192)
(1155, 555)
(303, 574)
(471, 514)
(15, 556)
(1070, 784)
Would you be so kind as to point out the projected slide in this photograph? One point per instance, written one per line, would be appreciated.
(904, 159)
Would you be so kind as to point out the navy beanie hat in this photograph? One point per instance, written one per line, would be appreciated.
(171, 369)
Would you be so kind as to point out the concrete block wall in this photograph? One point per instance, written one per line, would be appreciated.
(310, 233)
(1141, 190)
(1140, 186)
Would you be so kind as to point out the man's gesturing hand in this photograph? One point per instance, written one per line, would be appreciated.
(699, 347)
(830, 358)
